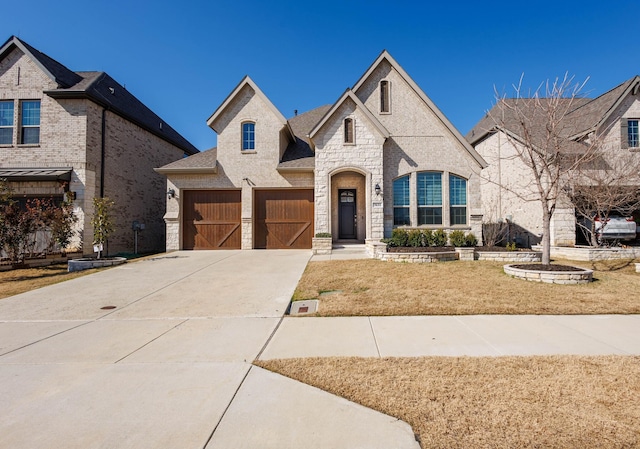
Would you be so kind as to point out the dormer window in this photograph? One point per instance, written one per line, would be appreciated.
(349, 136)
(248, 136)
(385, 98)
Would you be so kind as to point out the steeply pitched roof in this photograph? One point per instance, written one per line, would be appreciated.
(349, 95)
(583, 115)
(246, 81)
(384, 55)
(100, 88)
(299, 155)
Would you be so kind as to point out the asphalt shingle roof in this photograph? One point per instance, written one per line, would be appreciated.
(299, 153)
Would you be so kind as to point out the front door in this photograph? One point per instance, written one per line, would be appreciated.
(347, 214)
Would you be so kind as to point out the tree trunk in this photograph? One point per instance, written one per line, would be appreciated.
(546, 237)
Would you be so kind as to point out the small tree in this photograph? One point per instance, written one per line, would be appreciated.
(537, 129)
(63, 220)
(102, 222)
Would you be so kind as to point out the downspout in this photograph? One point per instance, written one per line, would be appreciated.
(102, 155)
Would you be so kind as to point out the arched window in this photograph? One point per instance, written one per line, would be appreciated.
(348, 131)
(385, 97)
(429, 198)
(457, 200)
(401, 216)
(248, 136)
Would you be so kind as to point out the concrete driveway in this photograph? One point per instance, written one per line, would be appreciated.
(157, 354)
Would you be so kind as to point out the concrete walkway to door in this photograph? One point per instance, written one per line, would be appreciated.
(157, 354)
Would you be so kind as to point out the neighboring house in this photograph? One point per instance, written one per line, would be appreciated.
(613, 116)
(382, 156)
(83, 135)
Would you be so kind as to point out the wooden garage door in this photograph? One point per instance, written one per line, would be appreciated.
(211, 219)
(283, 219)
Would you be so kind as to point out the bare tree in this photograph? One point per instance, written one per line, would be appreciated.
(537, 128)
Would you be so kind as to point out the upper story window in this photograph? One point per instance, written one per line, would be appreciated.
(248, 136)
(30, 124)
(349, 134)
(401, 216)
(457, 200)
(632, 133)
(6, 122)
(429, 198)
(385, 97)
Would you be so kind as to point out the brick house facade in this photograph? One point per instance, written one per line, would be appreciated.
(382, 156)
(83, 135)
(507, 183)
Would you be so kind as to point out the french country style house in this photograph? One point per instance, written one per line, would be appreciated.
(507, 182)
(382, 156)
(82, 135)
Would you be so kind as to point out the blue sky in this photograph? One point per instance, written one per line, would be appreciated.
(183, 58)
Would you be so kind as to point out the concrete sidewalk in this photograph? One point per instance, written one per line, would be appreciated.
(479, 335)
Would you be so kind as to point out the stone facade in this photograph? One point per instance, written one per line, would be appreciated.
(316, 151)
(71, 135)
(507, 184)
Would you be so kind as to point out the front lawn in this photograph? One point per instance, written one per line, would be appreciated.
(485, 402)
(13, 282)
(374, 288)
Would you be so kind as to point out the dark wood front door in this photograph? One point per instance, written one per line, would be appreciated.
(347, 214)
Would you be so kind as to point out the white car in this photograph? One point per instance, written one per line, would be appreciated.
(616, 227)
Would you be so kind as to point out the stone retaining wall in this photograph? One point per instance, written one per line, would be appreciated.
(551, 277)
(510, 256)
(419, 257)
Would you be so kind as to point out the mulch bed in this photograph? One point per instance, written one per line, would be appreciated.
(420, 249)
(541, 267)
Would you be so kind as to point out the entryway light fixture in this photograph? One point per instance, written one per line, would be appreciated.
(378, 189)
(171, 193)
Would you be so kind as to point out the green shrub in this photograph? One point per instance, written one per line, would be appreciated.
(511, 246)
(323, 234)
(415, 238)
(400, 237)
(457, 238)
(471, 240)
(439, 238)
(427, 237)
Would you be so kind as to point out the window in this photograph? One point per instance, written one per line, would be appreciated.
(458, 200)
(348, 131)
(384, 96)
(6, 122)
(429, 198)
(401, 201)
(632, 133)
(30, 130)
(248, 136)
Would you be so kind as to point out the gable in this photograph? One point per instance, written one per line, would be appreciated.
(411, 112)
(20, 74)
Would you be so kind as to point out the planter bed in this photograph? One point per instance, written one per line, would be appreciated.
(85, 264)
(551, 274)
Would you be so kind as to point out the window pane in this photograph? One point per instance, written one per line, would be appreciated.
(429, 189)
(633, 133)
(384, 96)
(6, 136)
(457, 191)
(429, 215)
(30, 135)
(458, 215)
(31, 113)
(248, 136)
(401, 191)
(401, 216)
(348, 130)
(6, 113)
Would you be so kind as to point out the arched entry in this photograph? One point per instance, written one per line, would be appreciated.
(348, 210)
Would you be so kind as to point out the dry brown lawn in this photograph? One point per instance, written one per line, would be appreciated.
(14, 282)
(375, 288)
(505, 402)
